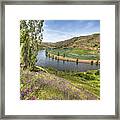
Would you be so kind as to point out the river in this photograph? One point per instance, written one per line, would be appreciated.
(44, 61)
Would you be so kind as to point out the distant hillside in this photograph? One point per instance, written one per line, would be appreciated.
(89, 42)
(82, 42)
(47, 45)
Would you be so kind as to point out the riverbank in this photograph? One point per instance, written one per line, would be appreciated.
(53, 56)
(51, 84)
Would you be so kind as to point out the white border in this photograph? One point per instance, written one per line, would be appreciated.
(106, 15)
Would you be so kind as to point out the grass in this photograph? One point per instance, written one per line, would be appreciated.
(31, 88)
(51, 84)
(76, 53)
(87, 80)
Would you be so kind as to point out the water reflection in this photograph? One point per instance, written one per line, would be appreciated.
(44, 61)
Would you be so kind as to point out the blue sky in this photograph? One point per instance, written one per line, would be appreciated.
(58, 30)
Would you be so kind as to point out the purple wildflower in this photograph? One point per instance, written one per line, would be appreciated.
(22, 94)
(26, 91)
(30, 90)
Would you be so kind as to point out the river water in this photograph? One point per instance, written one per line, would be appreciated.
(44, 61)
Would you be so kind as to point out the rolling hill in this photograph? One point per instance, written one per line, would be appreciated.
(88, 42)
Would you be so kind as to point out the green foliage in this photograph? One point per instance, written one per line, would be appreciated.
(87, 76)
(58, 54)
(89, 80)
(30, 39)
(38, 68)
(64, 55)
(97, 72)
(57, 85)
(76, 53)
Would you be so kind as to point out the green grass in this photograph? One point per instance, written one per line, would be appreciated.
(88, 80)
(33, 84)
(76, 53)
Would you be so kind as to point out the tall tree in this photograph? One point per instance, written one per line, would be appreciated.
(30, 39)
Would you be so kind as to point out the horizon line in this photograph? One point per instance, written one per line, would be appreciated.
(73, 37)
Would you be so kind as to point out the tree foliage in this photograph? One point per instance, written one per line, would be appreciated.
(30, 39)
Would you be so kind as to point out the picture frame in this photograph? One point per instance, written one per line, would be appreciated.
(55, 2)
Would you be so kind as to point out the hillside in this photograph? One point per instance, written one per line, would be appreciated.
(47, 45)
(36, 85)
(89, 42)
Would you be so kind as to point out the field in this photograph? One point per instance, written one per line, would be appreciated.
(89, 80)
(51, 84)
(76, 53)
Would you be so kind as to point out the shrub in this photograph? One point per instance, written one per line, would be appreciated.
(97, 72)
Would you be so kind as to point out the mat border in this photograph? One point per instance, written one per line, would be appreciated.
(55, 2)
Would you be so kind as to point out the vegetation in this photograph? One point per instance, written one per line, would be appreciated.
(48, 83)
(76, 53)
(30, 39)
(59, 85)
(88, 42)
(89, 80)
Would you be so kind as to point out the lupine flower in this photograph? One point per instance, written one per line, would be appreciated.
(30, 90)
(27, 90)
(22, 94)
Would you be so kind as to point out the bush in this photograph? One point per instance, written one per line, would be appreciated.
(97, 72)
(88, 75)
(89, 72)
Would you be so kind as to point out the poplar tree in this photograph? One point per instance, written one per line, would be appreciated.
(30, 39)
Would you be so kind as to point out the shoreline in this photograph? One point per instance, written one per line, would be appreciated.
(72, 59)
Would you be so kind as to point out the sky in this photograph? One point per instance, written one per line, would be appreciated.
(59, 30)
